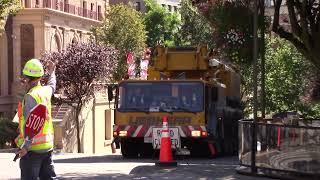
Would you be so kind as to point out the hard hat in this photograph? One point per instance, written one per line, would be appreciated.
(33, 68)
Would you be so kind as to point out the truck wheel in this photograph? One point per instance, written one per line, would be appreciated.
(146, 150)
(200, 149)
(128, 149)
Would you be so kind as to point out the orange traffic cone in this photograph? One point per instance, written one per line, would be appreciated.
(165, 158)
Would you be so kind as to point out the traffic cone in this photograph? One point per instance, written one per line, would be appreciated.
(165, 158)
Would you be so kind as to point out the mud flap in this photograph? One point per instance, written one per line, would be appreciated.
(212, 149)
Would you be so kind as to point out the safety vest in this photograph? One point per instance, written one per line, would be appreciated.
(44, 140)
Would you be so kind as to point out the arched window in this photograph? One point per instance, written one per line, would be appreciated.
(56, 43)
(74, 40)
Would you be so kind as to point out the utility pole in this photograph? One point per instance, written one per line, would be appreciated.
(255, 62)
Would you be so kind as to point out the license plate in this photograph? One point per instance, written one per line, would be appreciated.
(174, 136)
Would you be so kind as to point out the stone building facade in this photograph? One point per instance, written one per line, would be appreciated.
(42, 25)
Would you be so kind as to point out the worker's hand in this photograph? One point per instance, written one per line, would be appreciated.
(22, 152)
(51, 67)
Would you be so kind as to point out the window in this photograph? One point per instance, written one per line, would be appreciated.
(66, 6)
(163, 5)
(138, 6)
(99, 13)
(84, 5)
(161, 97)
(27, 3)
(169, 8)
(47, 3)
(92, 6)
(27, 42)
(175, 9)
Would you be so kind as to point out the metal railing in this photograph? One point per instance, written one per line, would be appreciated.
(287, 150)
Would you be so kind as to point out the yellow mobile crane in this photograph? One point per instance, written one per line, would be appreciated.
(199, 95)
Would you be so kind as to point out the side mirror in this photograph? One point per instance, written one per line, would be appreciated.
(110, 93)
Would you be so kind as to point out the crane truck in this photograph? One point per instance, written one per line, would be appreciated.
(199, 94)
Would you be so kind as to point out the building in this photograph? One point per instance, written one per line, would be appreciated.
(50, 25)
(139, 5)
(42, 25)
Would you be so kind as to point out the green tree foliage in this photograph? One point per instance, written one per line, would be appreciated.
(232, 25)
(287, 75)
(195, 27)
(161, 25)
(8, 132)
(79, 67)
(123, 29)
(286, 78)
(304, 34)
(7, 7)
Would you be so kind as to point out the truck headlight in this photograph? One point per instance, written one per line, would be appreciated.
(122, 133)
(195, 133)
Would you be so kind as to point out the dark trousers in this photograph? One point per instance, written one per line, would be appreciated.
(34, 165)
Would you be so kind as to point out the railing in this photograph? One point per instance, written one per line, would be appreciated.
(68, 8)
(280, 149)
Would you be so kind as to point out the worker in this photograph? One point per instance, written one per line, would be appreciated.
(36, 154)
(137, 98)
(184, 102)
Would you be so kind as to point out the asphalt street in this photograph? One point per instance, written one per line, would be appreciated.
(113, 166)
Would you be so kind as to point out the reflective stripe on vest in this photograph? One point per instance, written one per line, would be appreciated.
(43, 140)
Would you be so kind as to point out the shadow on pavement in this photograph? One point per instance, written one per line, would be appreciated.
(182, 172)
(187, 169)
(103, 159)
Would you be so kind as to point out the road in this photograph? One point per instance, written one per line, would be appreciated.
(113, 166)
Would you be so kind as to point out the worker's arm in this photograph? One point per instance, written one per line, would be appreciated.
(52, 78)
(52, 82)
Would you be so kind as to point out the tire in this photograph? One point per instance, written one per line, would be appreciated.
(200, 149)
(128, 149)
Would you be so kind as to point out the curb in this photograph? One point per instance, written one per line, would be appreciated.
(10, 150)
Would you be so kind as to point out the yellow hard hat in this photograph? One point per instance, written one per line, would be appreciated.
(33, 68)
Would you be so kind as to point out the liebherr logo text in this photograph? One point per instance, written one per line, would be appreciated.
(156, 120)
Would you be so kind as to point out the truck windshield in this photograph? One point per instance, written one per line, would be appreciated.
(161, 96)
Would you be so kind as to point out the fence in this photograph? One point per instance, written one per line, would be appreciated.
(290, 150)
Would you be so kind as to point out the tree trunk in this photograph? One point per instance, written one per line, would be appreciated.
(78, 110)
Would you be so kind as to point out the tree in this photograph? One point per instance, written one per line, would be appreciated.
(8, 132)
(7, 7)
(161, 25)
(287, 76)
(195, 28)
(304, 31)
(123, 29)
(232, 25)
(79, 67)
